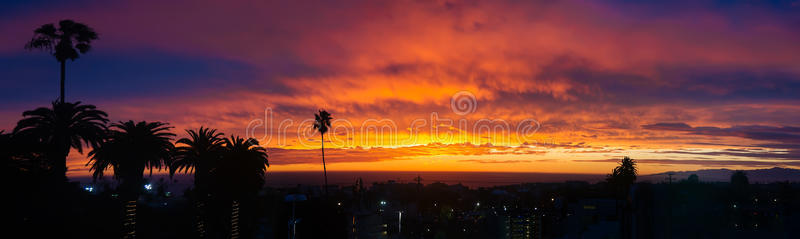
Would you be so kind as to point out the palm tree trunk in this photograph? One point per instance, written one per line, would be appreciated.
(201, 224)
(200, 205)
(324, 169)
(235, 220)
(59, 157)
(129, 225)
(62, 167)
(63, 76)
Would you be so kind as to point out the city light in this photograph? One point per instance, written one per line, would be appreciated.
(148, 187)
(399, 221)
(89, 188)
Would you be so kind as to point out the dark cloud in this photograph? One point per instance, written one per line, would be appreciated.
(668, 126)
(705, 163)
(786, 139)
(784, 155)
(757, 132)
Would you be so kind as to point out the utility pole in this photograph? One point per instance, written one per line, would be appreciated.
(419, 182)
(670, 177)
(669, 205)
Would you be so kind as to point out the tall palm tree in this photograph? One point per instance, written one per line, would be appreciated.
(63, 127)
(64, 42)
(199, 153)
(130, 149)
(322, 121)
(622, 177)
(241, 174)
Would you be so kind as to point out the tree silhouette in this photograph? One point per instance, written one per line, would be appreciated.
(64, 43)
(130, 149)
(23, 156)
(739, 179)
(693, 179)
(623, 175)
(12, 164)
(63, 127)
(199, 154)
(241, 174)
(35, 193)
(322, 122)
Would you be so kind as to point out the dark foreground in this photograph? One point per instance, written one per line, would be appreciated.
(683, 209)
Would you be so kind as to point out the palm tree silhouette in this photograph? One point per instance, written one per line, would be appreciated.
(321, 123)
(64, 42)
(622, 177)
(625, 174)
(63, 127)
(241, 174)
(130, 149)
(199, 154)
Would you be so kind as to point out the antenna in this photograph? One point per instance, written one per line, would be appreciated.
(419, 182)
(669, 177)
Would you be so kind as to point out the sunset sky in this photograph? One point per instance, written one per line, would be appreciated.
(677, 85)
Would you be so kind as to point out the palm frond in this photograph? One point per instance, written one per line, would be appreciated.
(67, 41)
(131, 148)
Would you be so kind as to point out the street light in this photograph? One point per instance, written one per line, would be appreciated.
(399, 221)
(294, 198)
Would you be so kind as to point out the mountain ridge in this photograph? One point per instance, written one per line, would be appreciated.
(765, 175)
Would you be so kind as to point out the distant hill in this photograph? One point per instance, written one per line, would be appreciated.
(766, 175)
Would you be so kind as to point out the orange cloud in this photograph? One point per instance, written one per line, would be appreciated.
(591, 75)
